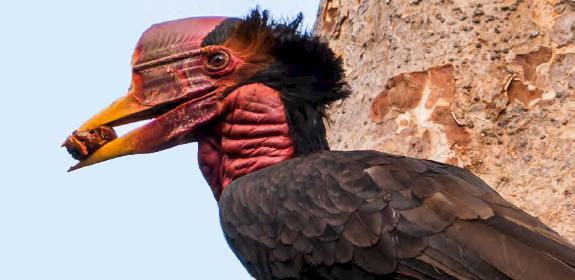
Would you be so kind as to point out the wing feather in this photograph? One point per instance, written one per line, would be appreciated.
(369, 215)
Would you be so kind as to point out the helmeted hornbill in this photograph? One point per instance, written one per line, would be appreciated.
(252, 92)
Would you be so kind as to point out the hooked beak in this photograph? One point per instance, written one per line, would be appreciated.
(173, 128)
(177, 96)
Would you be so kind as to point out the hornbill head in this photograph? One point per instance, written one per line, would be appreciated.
(184, 70)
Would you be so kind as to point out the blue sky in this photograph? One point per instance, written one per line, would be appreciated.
(138, 217)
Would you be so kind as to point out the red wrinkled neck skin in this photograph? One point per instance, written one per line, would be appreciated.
(253, 134)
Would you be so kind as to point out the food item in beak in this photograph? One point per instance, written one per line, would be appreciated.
(81, 144)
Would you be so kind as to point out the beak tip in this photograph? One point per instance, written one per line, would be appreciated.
(73, 168)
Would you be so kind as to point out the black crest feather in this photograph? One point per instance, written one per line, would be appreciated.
(305, 60)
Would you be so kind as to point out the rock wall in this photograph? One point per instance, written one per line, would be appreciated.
(486, 85)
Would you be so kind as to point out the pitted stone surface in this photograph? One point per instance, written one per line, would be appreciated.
(486, 85)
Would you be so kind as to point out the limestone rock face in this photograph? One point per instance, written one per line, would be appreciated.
(486, 85)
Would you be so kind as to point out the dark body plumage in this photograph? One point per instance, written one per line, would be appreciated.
(364, 214)
(370, 215)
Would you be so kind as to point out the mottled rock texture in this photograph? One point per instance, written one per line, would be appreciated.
(486, 85)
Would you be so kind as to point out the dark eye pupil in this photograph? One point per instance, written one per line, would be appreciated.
(218, 60)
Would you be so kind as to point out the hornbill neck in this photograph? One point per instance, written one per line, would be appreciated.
(300, 77)
(259, 129)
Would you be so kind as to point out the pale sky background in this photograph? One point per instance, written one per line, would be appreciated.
(138, 217)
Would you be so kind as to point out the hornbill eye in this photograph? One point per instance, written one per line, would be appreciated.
(218, 61)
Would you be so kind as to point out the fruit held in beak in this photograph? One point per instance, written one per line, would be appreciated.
(81, 144)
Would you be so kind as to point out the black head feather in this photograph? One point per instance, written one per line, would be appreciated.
(305, 70)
